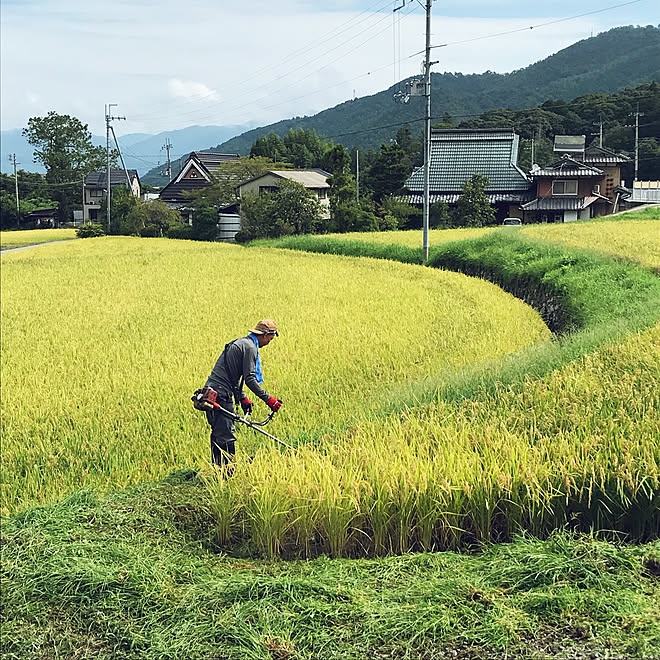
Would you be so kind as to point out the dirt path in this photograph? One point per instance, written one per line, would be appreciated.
(27, 247)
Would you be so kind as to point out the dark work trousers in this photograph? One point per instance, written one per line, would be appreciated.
(222, 433)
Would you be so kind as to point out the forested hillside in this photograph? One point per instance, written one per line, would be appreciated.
(609, 62)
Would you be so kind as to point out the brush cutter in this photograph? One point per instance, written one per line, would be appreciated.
(204, 400)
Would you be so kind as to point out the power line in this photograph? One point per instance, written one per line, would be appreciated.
(532, 27)
(311, 46)
(240, 106)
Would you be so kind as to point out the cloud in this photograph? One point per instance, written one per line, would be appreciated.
(189, 89)
(229, 63)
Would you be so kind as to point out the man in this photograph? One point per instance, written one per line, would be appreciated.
(237, 365)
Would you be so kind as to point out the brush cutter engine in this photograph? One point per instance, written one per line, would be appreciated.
(205, 399)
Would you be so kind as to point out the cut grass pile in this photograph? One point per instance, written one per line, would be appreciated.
(104, 340)
(20, 238)
(134, 576)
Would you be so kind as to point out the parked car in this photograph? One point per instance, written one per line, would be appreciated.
(512, 222)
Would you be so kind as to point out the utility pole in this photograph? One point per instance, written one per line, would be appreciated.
(357, 176)
(12, 158)
(427, 130)
(108, 118)
(638, 114)
(168, 146)
(600, 133)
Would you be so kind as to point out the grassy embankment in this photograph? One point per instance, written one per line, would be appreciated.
(23, 237)
(135, 575)
(459, 470)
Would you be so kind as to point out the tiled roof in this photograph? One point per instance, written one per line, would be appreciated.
(174, 191)
(566, 167)
(456, 155)
(212, 161)
(596, 155)
(558, 203)
(569, 144)
(117, 178)
(452, 198)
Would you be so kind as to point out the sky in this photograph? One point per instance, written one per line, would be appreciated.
(170, 64)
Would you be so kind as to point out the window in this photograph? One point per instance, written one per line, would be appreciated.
(565, 187)
(267, 189)
(96, 192)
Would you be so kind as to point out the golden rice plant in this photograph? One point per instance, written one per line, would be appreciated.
(104, 341)
(636, 240)
(578, 448)
(19, 238)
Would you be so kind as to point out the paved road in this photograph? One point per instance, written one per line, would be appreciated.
(27, 247)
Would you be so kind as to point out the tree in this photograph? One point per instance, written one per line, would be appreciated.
(63, 145)
(205, 222)
(125, 217)
(389, 171)
(344, 208)
(472, 208)
(270, 146)
(33, 194)
(160, 218)
(439, 214)
(291, 209)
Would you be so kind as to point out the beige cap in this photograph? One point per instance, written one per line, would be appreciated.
(265, 327)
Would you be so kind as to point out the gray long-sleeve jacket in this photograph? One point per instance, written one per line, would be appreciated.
(237, 362)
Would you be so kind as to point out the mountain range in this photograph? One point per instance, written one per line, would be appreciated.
(141, 151)
(608, 62)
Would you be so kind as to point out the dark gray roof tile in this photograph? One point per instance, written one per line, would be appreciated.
(456, 155)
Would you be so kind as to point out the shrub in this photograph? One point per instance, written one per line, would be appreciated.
(180, 231)
(90, 230)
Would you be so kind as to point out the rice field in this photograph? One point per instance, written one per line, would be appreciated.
(20, 238)
(580, 448)
(104, 340)
(635, 240)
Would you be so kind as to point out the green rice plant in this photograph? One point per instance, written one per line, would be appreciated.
(23, 237)
(267, 505)
(337, 505)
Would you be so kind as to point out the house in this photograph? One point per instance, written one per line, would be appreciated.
(196, 173)
(585, 182)
(458, 154)
(566, 190)
(611, 164)
(96, 186)
(42, 218)
(315, 180)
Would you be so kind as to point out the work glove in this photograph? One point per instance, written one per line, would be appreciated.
(274, 404)
(246, 406)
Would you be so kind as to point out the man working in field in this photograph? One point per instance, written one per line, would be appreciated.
(237, 365)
